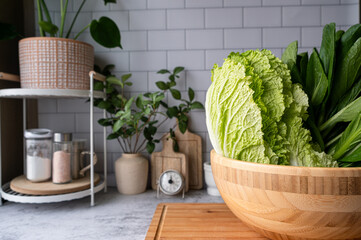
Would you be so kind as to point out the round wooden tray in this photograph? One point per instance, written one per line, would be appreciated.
(22, 185)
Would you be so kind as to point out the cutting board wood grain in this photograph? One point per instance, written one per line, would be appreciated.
(197, 221)
(191, 145)
(168, 159)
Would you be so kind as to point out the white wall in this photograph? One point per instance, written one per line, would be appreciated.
(192, 33)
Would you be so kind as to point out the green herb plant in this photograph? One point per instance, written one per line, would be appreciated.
(331, 77)
(179, 112)
(104, 31)
(135, 120)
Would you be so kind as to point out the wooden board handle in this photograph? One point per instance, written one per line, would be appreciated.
(9, 77)
(168, 145)
(97, 76)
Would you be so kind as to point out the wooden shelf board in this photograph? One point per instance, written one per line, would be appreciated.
(22, 185)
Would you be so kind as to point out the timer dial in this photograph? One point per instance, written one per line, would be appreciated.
(171, 182)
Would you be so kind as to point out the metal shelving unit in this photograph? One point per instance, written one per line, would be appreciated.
(23, 93)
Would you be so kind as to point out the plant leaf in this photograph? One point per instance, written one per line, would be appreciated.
(159, 97)
(355, 156)
(150, 147)
(104, 105)
(139, 102)
(105, 32)
(176, 94)
(302, 63)
(163, 71)
(104, 122)
(172, 112)
(115, 81)
(197, 105)
(290, 52)
(98, 86)
(327, 53)
(164, 104)
(177, 70)
(171, 78)
(350, 96)
(109, 1)
(183, 126)
(128, 104)
(190, 94)
(125, 77)
(316, 80)
(347, 70)
(349, 138)
(48, 27)
(117, 125)
(327, 50)
(113, 136)
(296, 76)
(161, 85)
(346, 114)
(347, 40)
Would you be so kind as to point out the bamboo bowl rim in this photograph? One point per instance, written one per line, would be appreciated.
(282, 169)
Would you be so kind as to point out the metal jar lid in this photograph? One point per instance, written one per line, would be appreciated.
(38, 133)
(62, 137)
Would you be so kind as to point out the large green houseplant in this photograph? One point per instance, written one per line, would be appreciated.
(135, 121)
(53, 60)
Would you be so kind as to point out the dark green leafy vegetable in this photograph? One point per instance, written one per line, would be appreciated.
(332, 81)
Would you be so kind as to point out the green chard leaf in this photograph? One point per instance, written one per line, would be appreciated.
(316, 80)
(347, 72)
(346, 114)
(327, 50)
(290, 53)
(350, 138)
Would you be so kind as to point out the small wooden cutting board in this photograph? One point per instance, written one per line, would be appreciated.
(191, 145)
(168, 159)
(197, 221)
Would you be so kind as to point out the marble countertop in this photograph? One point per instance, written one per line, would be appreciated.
(115, 216)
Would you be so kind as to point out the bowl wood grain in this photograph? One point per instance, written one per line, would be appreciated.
(291, 203)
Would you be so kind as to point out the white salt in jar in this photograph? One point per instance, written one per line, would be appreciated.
(62, 149)
(38, 154)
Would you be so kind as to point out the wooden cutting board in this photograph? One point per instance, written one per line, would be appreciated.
(191, 145)
(197, 221)
(168, 159)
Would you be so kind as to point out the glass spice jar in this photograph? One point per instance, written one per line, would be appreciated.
(38, 154)
(62, 149)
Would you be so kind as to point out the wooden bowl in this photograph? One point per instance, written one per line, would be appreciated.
(285, 202)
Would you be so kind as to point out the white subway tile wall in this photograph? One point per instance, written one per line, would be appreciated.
(195, 34)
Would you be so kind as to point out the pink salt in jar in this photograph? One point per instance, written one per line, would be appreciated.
(62, 148)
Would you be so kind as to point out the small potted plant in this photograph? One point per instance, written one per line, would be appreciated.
(134, 122)
(53, 60)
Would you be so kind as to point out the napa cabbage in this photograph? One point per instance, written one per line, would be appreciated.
(254, 113)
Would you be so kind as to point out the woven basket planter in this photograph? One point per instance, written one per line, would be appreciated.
(55, 63)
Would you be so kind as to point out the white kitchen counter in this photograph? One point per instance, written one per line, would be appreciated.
(115, 216)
